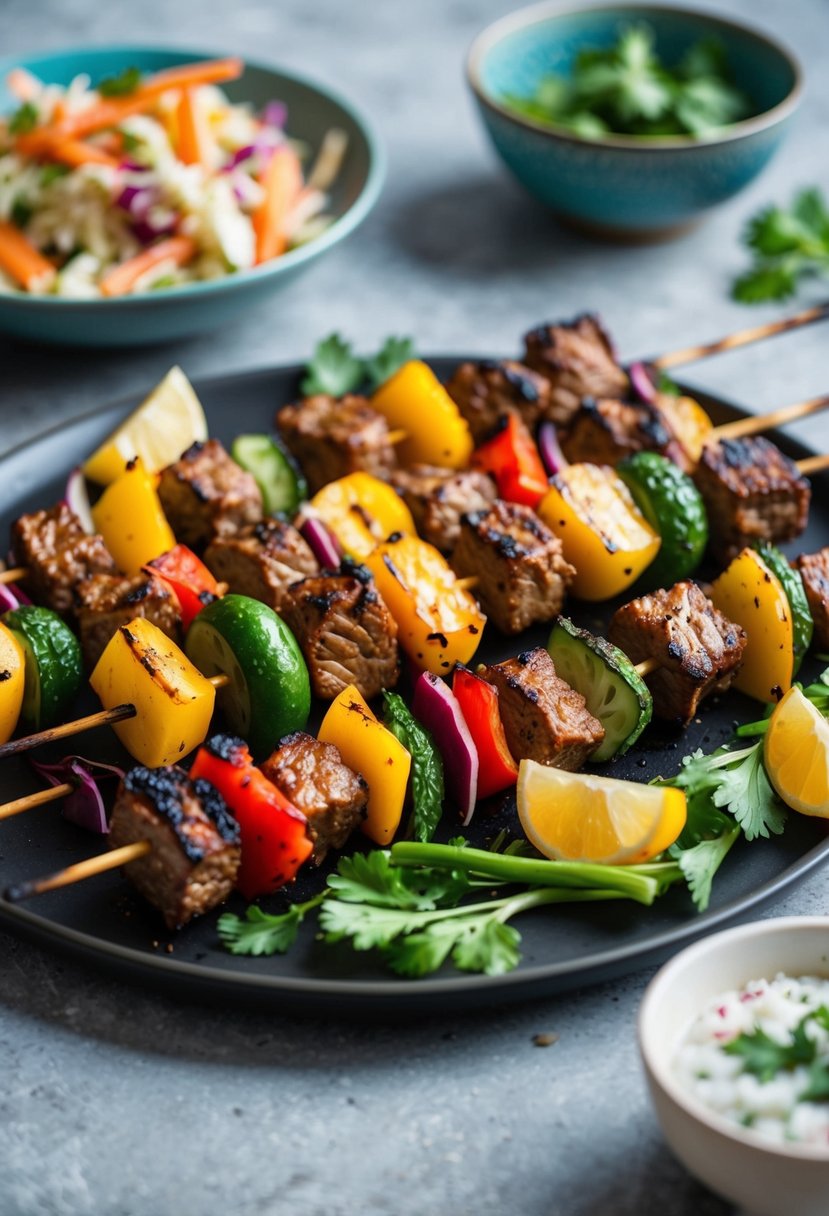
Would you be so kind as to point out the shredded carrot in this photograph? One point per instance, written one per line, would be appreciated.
(121, 279)
(22, 84)
(25, 264)
(111, 111)
(282, 181)
(195, 141)
(40, 145)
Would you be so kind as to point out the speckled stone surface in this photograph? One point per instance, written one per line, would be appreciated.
(122, 1102)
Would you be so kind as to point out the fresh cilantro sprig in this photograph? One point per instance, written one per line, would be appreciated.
(765, 1057)
(24, 119)
(788, 245)
(122, 85)
(627, 89)
(261, 932)
(334, 369)
(427, 766)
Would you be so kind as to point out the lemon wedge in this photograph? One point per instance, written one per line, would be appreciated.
(158, 431)
(796, 753)
(579, 817)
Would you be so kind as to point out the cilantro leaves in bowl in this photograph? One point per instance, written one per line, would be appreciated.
(626, 89)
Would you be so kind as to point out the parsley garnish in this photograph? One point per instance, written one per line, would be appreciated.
(764, 1057)
(24, 119)
(334, 369)
(261, 932)
(627, 89)
(21, 212)
(427, 766)
(735, 781)
(124, 83)
(788, 246)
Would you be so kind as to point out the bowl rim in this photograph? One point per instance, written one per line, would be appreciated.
(663, 1078)
(344, 224)
(537, 14)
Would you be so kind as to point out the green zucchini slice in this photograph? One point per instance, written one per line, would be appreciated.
(673, 505)
(607, 680)
(792, 583)
(53, 664)
(275, 472)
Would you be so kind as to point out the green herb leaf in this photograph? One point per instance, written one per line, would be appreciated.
(122, 85)
(371, 878)
(427, 766)
(260, 932)
(333, 369)
(700, 863)
(788, 245)
(390, 358)
(24, 119)
(765, 1057)
(21, 212)
(735, 781)
(51, 173)
(488, 946)
(818, 1088)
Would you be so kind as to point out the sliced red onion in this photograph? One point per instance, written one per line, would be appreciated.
(642, 384)
(436, 706)
(84, 806)
(275, 114)
(8, 600)
(77, 500)
(323, 543)
(550, 449)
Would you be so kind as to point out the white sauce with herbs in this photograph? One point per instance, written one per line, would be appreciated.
(774, 1108)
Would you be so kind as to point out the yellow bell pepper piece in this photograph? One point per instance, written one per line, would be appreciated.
(366, 746)
(142, 667)
(361, 511)
(12, 681)
(602, 532)
(439, 623)
(688, 421)
(130, 519)
(748, 593)
(415, 401)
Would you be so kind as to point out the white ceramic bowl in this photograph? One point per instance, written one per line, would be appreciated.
(765, 1179)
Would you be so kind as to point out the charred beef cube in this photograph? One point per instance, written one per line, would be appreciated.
(544, 718)
(345, 631)
(522, 575)
(331, 437)
(485, 391)
(58, 555)
(437, 498)
(314, 777)
(195, 853)
(262, 561)
(814, 570)
(206, 494)
(752, 492)
(697, 649)
(605, 431)
(578, 360)
(107, 601)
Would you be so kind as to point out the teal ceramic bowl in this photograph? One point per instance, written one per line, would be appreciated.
(622, 186)
(177, 312)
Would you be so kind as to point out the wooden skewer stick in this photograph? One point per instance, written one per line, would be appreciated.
(103, 717)
(766, 422)
(647, 666)
(33, 800)
(78, 872)
(812, 464)
(469, 583)
(743, 337)
(13, 575)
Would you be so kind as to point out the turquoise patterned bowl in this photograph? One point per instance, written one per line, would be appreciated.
(623, 186)
(159, 316)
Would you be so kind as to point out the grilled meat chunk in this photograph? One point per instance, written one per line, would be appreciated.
(332, 436)
(698, 650)
(58, 555)
(605, 431)
(345, 630)
(206, 494)
(437, 498)
(544, 718)
(485, 391)
(753, 492)
(107, 601)
(261, 561)
(315, 778)
(521, 571)
(814, 570)
(578, 360)
(195, 853)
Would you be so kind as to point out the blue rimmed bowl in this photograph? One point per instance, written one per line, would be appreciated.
(624, 186)
(176, 312)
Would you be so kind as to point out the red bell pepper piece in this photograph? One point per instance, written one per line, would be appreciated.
(512, 458)
(188, 578)
(479, 704)
(273, 832)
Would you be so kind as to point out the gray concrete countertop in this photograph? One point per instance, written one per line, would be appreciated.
(122, 1102)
